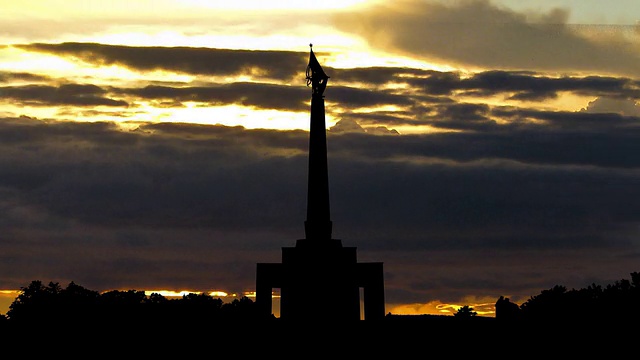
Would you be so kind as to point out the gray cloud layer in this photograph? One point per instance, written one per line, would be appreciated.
(478, 33)
(429, 97)
(178, 205)
(204, 61)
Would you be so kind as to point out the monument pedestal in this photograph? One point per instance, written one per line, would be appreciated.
(320, 281)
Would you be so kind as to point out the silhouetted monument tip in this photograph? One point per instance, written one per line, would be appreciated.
(319, 265)
(316, 77)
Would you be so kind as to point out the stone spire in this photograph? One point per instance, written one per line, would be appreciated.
(319, 264)
(318, 224)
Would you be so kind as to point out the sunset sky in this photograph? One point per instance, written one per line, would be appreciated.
(477, 148)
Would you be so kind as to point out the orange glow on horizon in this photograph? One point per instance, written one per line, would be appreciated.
(431, 308)
(6, 298)
(171, 293)
(439, 308)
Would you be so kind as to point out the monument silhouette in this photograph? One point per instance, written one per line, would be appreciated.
(319, 279)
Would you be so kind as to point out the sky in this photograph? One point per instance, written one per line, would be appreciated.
(476, 148)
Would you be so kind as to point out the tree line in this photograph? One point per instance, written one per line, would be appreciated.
(617, 302)
(39, 304)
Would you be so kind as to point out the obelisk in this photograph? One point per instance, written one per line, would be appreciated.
(319, 265)
(318, 224)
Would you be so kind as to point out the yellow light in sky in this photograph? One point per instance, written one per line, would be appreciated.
(21, 61)
(362, 56)
(331, 40)
(252, 294)
(89, 8)
(229, 115)
(40, 112)
(274, 5)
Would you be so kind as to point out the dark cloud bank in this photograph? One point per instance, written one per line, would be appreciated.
(203, 61)
(192, 206)
(279, 82)
(481, 34)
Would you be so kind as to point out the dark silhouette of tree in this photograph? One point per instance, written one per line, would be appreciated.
(240, 309)
(117, 306)
(549, 304)
(196, 307)
(77, 304)
(615, 302)
(465, 312)
(39, 306)
(156, 298)
(36, 303)
(506, 310)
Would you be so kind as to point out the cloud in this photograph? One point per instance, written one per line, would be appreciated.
(67, 94)
(8, 76)
(445, 100)
(186, 25)
(259, 95)
(282, 65)
(377, 75)
(264, 96)
(346, 125)
(122, 190)
(170, 204)
(626, 107)
(480, 34)
(532, 86)
(514, 85)
(351, 126)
